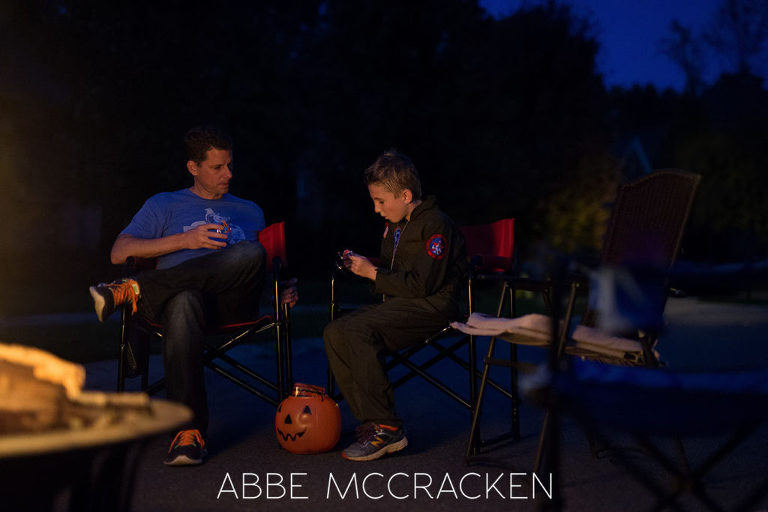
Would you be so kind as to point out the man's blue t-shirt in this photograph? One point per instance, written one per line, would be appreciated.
(169, 213)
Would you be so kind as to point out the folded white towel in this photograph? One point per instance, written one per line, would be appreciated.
(540, 326)
(593, 337)
(481, 324)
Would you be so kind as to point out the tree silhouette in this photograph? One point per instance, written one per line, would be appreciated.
(738, 32)
(685, 50)
(503, 118)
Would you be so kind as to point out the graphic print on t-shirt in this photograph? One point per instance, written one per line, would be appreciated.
(235, 232)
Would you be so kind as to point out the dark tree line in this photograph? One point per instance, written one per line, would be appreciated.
(504, 118)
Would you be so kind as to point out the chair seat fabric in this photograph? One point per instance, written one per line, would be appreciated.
(536, 329)
(262, 320)
(224, 328)
(481, 324)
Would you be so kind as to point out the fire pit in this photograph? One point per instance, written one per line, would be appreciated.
(62, 448)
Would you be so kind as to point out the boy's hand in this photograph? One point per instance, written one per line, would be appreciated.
(289, 295)
(359, 265)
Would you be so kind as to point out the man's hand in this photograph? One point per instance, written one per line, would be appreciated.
(289, 295)
(359, 265)
(206, 236)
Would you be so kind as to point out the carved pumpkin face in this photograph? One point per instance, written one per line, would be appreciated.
(308, 421)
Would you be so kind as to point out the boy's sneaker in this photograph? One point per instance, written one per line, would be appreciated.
(376, 441)
(187, 449)
(107, 297)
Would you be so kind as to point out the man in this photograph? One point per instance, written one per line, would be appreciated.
(423, 263)
(209, 263)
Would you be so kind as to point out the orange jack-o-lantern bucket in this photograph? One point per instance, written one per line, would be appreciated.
(308, 421)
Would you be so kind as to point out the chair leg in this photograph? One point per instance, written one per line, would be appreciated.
(121, 355)
(508, 294)
(280, 361)
(543, 441)
(472, 366)
(474, 432)
(514, 374)
(288, 350)
(332, 314)
(144, 369)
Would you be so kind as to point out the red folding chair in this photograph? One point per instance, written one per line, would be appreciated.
(136, 332)
(491, 250)
(493, 244)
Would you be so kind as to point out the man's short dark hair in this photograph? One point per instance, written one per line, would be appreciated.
(200, 139)
(395, 172)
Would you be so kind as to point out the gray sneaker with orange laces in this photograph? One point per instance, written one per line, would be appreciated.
(187, 449)
(109, 296)
(375, 441)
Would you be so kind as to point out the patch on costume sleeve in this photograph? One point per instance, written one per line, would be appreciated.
(436, 246)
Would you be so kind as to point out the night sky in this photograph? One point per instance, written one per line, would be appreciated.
(630, 31)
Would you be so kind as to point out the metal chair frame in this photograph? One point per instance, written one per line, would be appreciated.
(271, 391)
(477, 272)
(639, 207)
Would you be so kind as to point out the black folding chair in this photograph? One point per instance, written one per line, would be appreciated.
(136, 332)
(490, 248)
(653, 405)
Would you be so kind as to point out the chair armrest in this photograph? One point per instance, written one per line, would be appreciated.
(134, 264)
(277, 265)
(535, 285)
(339, 274)
(518, 282)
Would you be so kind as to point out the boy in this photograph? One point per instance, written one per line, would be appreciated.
(423, 263)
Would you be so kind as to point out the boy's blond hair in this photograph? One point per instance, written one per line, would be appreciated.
(395, 172)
